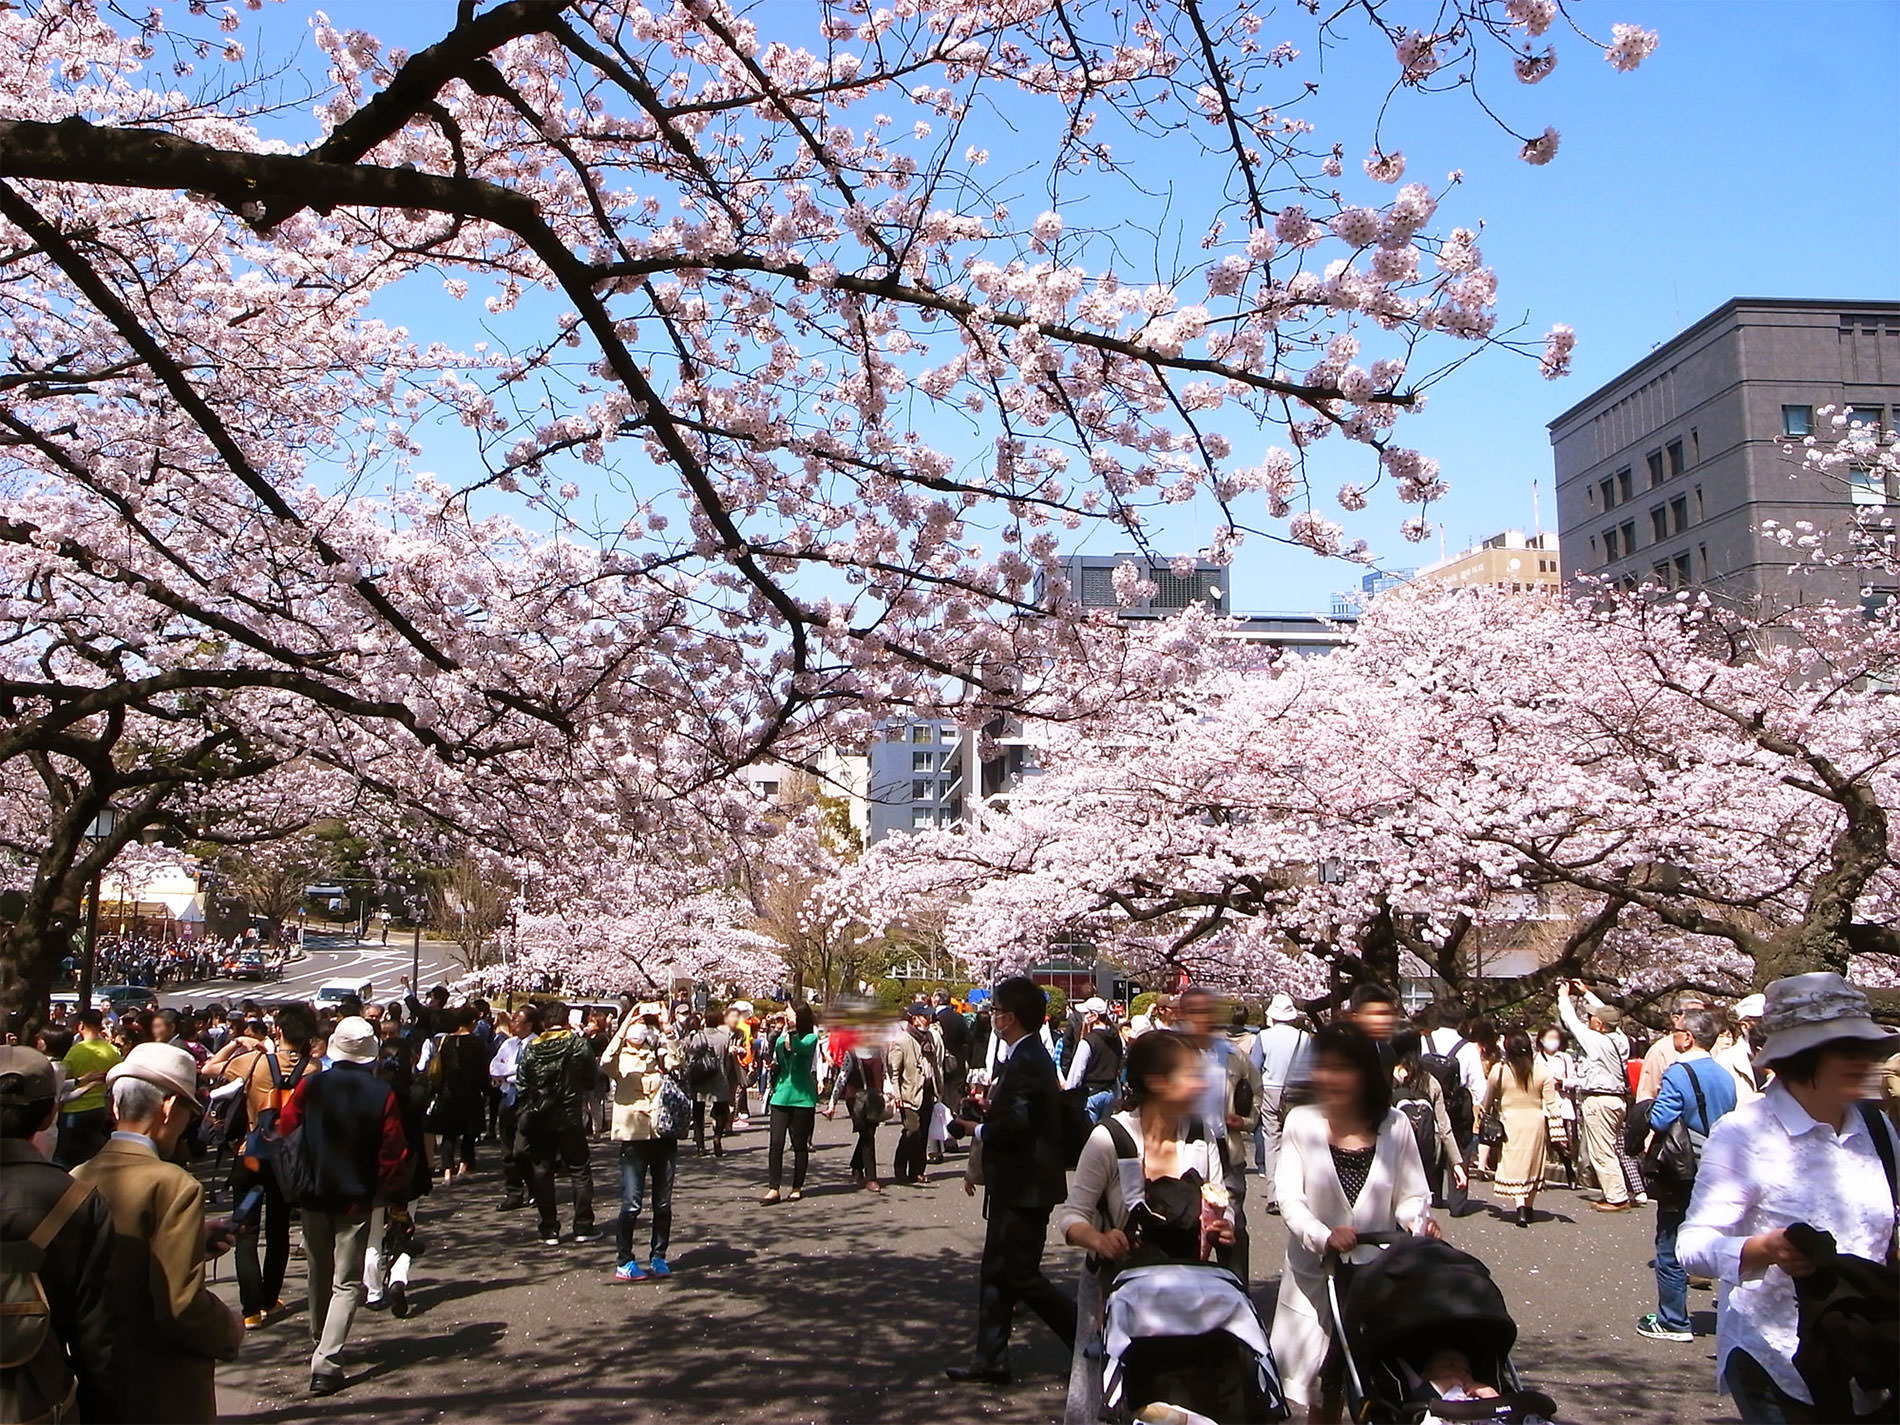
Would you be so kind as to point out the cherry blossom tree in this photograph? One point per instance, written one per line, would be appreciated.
(1681, 797)
(784, 401)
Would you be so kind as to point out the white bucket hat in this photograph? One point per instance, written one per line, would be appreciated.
(1802, 1011)
(1282, 1010)
(354, 1041)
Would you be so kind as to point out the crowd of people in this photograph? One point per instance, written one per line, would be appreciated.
(156, 961)
(1141, 1136)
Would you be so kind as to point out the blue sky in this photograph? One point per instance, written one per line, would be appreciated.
(1751, 155)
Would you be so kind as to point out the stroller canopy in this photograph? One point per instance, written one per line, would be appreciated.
(1420, 1292)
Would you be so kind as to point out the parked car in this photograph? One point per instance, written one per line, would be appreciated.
(117, 999)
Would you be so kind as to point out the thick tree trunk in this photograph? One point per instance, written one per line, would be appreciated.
(30, 953)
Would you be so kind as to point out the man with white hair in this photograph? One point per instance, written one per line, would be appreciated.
(169, 1331)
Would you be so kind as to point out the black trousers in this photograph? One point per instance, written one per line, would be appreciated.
(260, 1287)
(721, 1118)
(913, 1140)
(864, 1156)
(1012, 1273)
(798, 1122)
(565, 1146)
(514, 1176)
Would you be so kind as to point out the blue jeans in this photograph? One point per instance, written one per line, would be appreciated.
(1672, 1282)
(1758, 1400)
(641, 1158)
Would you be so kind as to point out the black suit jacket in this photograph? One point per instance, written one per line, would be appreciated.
(1022, 1130)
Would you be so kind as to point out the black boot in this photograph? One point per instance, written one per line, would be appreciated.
(1522, 1217)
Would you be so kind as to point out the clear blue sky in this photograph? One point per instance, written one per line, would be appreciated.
(1751, 155)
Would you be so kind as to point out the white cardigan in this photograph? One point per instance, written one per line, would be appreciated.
(1312, 1204)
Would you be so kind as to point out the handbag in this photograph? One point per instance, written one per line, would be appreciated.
(1491, 1131)
(672, 1109)
(1670, 1161)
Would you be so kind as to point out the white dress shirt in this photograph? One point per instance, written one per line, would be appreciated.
(1768, 1165)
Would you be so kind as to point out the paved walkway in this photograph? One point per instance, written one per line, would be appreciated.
(846, 1306)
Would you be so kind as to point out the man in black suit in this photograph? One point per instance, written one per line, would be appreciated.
(1021, 1133)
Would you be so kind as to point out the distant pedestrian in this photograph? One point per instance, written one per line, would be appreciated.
(84, 1124)
(556, 1073)
(1603, 1091)
(168, 1330)
(793, 1100)
(1279, 1058)
(915, 1079)
(1700, 1092)
(635, 1063)
(1522, 1093)
(353, 1139)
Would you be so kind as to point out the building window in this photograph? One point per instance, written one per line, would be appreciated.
(1610, 551)
(1682, 570)
(1864, 416)
(1608, 486)
(1797, 420)
(1629, 536)
(1702, 552)
(921, 817)
(1655, 468)
(923, 761)
(1624, 489)
(1699, 514)
(768, 789)
(1593, 549)
(1661, 570)
(1659, 523)
(943, 787)
(950, 733)
(1695, 445)
(1678, 514)
(1674, 452)
(920, 791)
(921, 733)
(1590, 496)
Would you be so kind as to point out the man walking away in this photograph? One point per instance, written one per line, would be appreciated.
(354, 1143)
(1021, 1134)
(60, 1231)
(1699, 1091)
(557, 1069)
(1603, 1086)
(1279, 1058)
(168, 1330)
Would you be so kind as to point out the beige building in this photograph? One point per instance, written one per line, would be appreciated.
(1511, 560)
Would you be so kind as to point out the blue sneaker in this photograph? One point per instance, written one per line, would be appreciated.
(658, 1268)
(629, 1272)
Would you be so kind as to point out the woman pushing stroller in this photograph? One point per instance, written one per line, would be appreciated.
(1349, 1167)
(1148, 1202)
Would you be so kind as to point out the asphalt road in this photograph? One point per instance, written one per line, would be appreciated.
(845, 1307)
(329, 957)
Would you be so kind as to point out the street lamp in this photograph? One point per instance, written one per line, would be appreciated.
(103, 826)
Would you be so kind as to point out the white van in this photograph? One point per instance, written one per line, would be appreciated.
(334, 991)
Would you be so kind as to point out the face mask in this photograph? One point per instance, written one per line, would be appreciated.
(1551, 1046)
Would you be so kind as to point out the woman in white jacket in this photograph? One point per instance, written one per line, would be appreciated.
(1349, 1164)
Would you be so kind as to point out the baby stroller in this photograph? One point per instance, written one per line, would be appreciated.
(1427, 1337)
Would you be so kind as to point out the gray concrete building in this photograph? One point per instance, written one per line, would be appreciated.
(1667, 474)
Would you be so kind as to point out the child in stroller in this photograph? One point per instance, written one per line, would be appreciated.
(1164, 1334)
(1427, 1338)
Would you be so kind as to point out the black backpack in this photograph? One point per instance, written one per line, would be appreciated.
(1417, 1108)
(1458, 1105)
